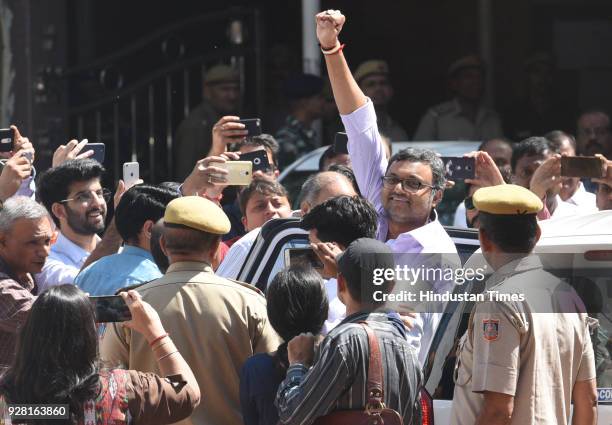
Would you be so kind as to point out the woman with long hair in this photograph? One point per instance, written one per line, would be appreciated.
(296, 303)
(57, 363)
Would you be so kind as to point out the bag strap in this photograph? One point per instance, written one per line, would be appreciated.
(374, 384)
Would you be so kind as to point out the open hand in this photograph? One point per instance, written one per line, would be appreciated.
(486, 173)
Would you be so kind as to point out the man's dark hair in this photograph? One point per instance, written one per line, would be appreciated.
(158, 255)
(425, 156)
(342, 219)
(348, 173)
(329, 153)
(484, 144)
(264, 187)
(68, 372)
(531, 146)
(555, 140)
(511, 233)
(53, 185)
(266, 140)
(139, 204)
(296, 303)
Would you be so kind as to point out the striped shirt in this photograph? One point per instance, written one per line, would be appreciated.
(337, 380)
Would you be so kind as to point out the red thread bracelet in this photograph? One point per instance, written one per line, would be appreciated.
(159, 338)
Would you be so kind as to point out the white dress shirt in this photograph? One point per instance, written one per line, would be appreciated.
(236, 256)
(337, 310)
(369, 162)
(585, 201)
(63, 264)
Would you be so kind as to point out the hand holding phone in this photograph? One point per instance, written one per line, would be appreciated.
(252, 126)
(239, 173)
(98, 151)
(145, 319)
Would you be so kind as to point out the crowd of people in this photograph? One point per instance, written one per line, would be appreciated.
(204, 348)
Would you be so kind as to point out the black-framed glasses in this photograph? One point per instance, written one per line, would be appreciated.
(87, 197)
(409, 185)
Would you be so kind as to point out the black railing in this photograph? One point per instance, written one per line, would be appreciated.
(134, 99)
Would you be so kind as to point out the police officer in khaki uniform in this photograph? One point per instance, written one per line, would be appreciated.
(214, 322)
(522, 361)
(373, 78)
(464, 117)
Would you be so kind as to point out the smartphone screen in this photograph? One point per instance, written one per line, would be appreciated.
(7, 139)
(98, 149)
(582, 166)
(341, 143)
(259, 159)
(459, 168)
(110, 309)
(253, 126)
(302, 257)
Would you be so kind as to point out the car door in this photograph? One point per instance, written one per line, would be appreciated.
(267, 255)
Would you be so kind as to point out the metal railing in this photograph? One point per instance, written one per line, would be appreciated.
(134, 99)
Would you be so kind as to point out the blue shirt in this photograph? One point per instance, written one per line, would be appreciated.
(106, 276)
(259, 381)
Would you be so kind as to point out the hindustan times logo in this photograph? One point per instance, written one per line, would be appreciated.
(412, 275)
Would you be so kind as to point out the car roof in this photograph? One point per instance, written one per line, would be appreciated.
(593, 228)
(310, 161)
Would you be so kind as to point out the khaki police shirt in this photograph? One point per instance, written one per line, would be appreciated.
(447, 121)
(523, 350)
(215, 323)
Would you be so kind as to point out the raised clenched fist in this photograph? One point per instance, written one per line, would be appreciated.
(329, 25)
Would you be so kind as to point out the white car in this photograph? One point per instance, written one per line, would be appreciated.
(583, 246)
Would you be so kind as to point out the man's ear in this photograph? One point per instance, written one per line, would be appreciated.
(341, 287)
(485, 243)
(162, 245)
(305, 207)
(538, 232)
(437, 198)
(214, 248)
(245, 222)
(58, 210)
(147, 227)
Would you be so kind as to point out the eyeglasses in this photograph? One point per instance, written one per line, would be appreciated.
(409, 185)
(87, 197)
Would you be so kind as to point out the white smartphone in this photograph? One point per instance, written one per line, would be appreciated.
(240, 173)
(131, 173)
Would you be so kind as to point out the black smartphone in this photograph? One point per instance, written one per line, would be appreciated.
(302, 257)
(259, 159)
(7, 139)
(582, 166)
(252, 125)
(99, 151)
(459, 168)
(110, 308)
(341, 143)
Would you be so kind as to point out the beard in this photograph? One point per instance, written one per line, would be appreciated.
(80, 224)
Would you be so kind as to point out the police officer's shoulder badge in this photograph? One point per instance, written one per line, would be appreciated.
(490, 329)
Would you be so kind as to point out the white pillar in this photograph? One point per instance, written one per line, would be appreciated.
(311, 56)
(310, 44)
